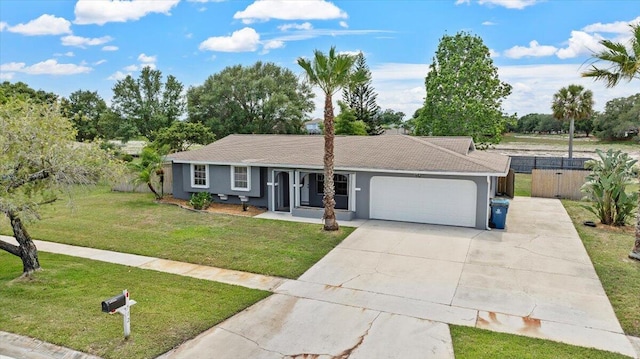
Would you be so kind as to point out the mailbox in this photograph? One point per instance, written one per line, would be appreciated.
(111, 304)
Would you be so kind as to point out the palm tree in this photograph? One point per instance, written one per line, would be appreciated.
(623, 65)
(150, 164)
(331, 73)
(572, 103)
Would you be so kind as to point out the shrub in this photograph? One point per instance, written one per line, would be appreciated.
(200, 200)
(606, 187)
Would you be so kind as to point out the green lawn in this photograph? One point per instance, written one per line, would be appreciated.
(62, 305)
(620, 276)
(133, 223)
(473, 343)
(522, 185)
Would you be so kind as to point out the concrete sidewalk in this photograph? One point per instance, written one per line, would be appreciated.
(244, 279)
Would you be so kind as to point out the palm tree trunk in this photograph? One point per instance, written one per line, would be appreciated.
(571, 129)
(329, 202)
(27, 250)
(152, 189)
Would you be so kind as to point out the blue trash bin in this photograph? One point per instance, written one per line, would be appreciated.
(499, 209)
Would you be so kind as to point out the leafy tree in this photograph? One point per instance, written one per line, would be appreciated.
(22, 91)
(390, 118)
(40, 160)
(147, 103)
(148, 169)
(263, 98)
(347, 122)
(182, 135)
(84, 109)
(330, 73)
(606, 187)
(464, 93)
(570, 104)
(547, 124)
(623, 64)
(586, 126)
(620, 119)
(361, 98)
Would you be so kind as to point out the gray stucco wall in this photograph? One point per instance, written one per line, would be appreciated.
(220, 183)
(363, 181)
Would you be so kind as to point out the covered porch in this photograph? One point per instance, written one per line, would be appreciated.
(300, 193)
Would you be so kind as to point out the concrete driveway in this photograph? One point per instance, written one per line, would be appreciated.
(390, 289)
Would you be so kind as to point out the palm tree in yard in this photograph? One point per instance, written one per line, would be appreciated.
(331, 73)
(572, 103)
(621, 64)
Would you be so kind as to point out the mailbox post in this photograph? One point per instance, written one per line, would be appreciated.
(120, 304)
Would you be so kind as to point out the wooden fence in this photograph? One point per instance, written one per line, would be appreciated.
(558, 183)
(126, 185)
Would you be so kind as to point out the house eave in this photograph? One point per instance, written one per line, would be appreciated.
(353, 169)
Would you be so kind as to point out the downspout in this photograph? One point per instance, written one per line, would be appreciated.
(488, 203)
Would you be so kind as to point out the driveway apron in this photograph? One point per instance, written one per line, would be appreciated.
(390, 289)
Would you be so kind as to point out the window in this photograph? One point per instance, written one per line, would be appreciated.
(339, 181)
(240, 178)
(199, 176)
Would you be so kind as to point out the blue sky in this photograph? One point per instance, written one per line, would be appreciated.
(538, 46)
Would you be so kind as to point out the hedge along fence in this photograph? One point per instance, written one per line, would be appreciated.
(526, 164)
(554, 183)
(126, 185)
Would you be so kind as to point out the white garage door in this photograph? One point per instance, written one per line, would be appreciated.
(424, 200)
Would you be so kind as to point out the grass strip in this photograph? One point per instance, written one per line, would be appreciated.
(61, 305)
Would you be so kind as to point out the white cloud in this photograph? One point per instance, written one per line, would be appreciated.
(3, 25)
(295, 26)
(132, 68)
(189, 35)
(101, 12)
(493, 53)
(48, 67)
(350, 53)
(68, 54)
(116, 76)
(44, 25)
(618, 27)
(206, 1)
(99, 62)
(509, 4)
(271, 45)
(580, 43)
(313, 33)
(264, 10)
(343, 24)
(79, 41)
(244, 40)
(6, 76)
(460, 2)
(12, 66)
(110, 48)
(534, 50)
(488, 23)
(147, 59)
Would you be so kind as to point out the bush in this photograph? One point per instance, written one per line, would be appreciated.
(200, 200)
(606, 187)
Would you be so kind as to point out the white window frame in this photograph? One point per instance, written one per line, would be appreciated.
(193, 177)
(233, 179)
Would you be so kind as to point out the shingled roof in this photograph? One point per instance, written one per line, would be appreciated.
(396, 153)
